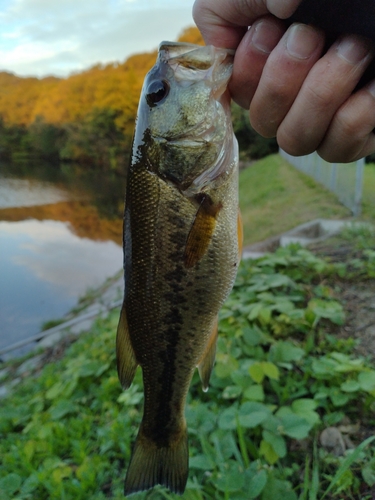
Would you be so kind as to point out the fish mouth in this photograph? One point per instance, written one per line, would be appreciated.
(193, 56)
(195, 62)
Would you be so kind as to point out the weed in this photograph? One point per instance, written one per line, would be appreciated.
(281, 377)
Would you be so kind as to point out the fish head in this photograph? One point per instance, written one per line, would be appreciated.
(184, 115)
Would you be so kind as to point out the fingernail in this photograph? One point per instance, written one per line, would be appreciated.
(353, 49)
(265, 36)
(302, 41)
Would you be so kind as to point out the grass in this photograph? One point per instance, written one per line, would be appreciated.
(282, 375)
(51, 323)
(368, 195)
(275, 197)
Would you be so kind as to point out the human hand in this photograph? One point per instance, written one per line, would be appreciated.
(292, 90)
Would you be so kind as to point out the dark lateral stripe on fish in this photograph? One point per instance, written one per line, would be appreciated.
(161, 431)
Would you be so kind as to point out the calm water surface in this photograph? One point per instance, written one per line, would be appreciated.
(58, 237)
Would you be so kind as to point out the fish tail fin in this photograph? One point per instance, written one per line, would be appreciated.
(151, 464)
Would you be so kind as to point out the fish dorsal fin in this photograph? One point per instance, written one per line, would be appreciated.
(239, 234)
(126, 361)
(207, 361)
(201, 231)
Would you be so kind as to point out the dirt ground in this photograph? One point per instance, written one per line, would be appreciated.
(357, 297)
(359, 301)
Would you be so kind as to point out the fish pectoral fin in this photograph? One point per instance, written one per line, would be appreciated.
(126, 361)
(239, 234)
(152, 464)
(208, 359)
(201, 231)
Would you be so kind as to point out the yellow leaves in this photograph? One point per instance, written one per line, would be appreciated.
(65, 100)
(61, 472)
(29, 449)
(191, 35)
(261, 369)
(268, 452)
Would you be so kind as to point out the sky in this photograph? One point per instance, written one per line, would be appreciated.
(58, 37)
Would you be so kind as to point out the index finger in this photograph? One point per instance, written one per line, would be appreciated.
(224, 22)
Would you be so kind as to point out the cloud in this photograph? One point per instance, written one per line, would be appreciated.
(51, 253)
(28, 193)
(41, 37)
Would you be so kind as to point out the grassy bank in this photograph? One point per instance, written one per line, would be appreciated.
(283, 374)
(275, 197)
(368, 199)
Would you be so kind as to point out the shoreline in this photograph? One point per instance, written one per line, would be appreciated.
(79, 319)
(98, 302)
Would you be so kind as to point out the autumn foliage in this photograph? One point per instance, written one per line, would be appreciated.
(86, 117)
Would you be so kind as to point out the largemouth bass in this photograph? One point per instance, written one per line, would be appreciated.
(181, 248)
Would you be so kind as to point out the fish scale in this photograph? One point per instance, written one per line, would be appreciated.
(181, 254)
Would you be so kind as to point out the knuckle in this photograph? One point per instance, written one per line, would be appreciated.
(292, 144)
(320, 95)
(347, 124)
(295, 149)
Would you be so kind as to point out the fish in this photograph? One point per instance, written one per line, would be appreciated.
(182, 246)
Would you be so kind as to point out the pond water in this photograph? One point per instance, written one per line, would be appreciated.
(60, 234)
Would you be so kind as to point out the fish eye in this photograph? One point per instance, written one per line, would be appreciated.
(156, 92)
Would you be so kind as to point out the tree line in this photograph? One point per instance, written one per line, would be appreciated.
(89, 117)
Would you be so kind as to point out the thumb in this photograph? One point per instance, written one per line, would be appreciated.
(224, 22)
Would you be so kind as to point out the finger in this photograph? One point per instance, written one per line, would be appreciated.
(251, 56)
(328, 85)
(223, 23)
(282, 9)
(350, 135)
(283, 76)
(220, 22)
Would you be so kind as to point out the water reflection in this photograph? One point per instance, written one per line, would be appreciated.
(44, 269)
(58, 237)
(69, 181)
(25, 193)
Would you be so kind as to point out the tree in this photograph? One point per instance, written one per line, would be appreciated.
(97, 139)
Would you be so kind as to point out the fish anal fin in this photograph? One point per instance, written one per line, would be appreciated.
(208, 359)
(126, 361)
(151, 464)
(239, 234)
(201, 231)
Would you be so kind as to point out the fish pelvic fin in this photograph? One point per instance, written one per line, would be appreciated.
(126, 361)
(152, 464)
(202, 230)
(207, 361)
(239, 234)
